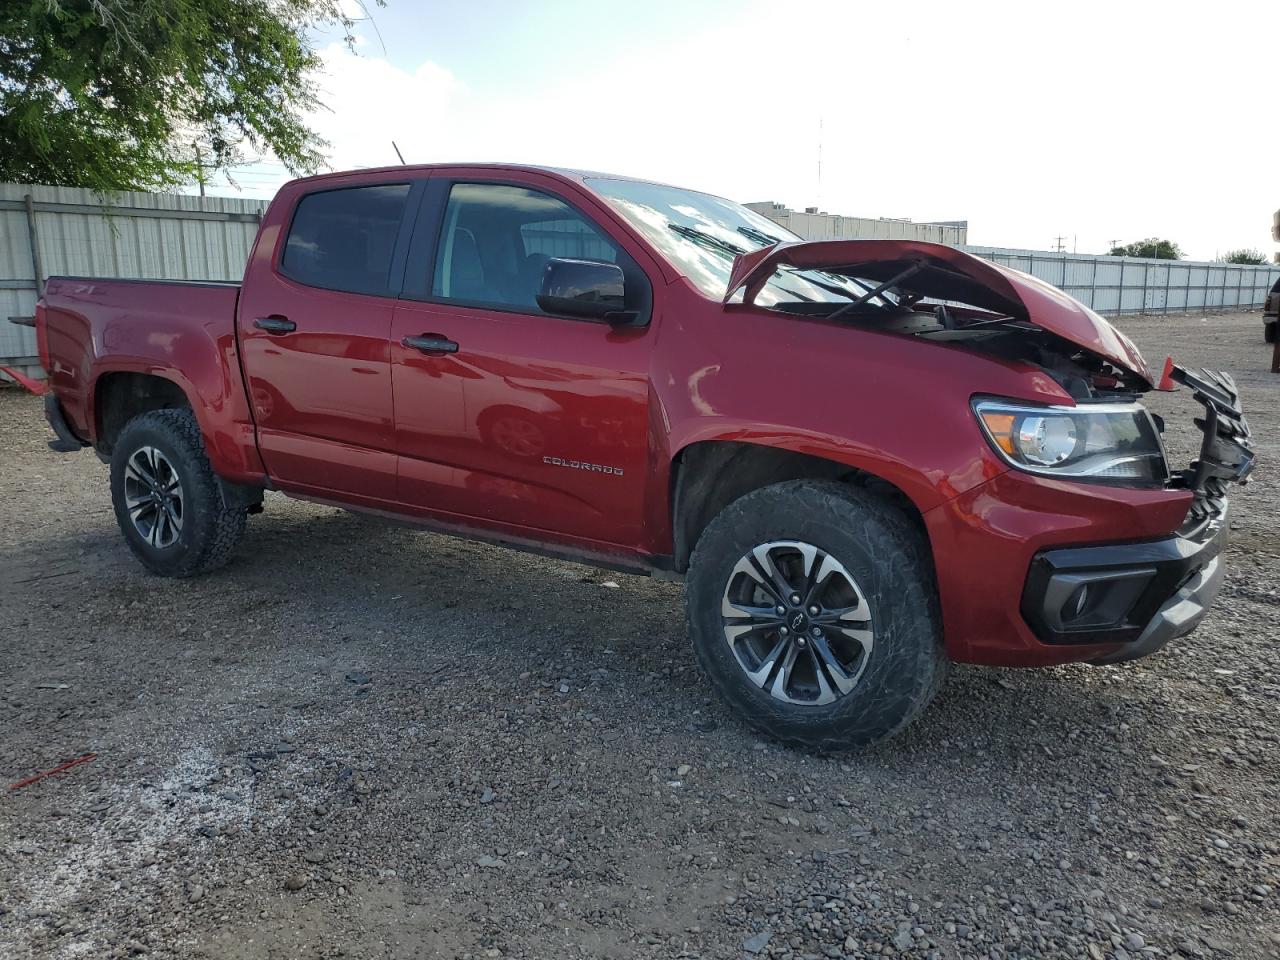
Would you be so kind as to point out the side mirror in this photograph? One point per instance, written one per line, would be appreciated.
(584, 288)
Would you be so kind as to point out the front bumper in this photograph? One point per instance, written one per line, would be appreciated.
(1139, 595)
(1071, 571)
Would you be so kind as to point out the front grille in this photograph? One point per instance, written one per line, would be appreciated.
(1226, 453)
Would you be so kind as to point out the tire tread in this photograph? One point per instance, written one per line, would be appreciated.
(872, 519)
(220, 526)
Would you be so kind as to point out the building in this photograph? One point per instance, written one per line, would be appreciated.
(813, 224)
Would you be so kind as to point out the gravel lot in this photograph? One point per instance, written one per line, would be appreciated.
(359, 740)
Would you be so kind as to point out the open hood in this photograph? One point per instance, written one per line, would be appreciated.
(946, 273)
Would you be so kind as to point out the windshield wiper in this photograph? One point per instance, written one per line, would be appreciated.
(706, 239)
(759, 236)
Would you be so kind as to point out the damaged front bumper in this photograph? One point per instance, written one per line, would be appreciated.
(1142, 595)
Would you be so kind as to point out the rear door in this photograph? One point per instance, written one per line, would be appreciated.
(517, 417)
(314, 321)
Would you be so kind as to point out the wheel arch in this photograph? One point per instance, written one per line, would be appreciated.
(121, 395)
(708, 475)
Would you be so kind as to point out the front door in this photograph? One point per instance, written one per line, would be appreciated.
(314, 328)
(505, 413)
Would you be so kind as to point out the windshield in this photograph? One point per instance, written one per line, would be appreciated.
(702, 234)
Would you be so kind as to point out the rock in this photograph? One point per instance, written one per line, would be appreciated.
(196, 894)
(757, 943)
(296, 881)
(488, 796)
(316, 855)
(487, 862)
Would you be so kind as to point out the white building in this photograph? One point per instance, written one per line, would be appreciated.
(812, 224)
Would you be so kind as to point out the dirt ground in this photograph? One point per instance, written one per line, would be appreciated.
(363, 741)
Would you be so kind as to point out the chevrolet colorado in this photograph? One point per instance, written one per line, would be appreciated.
(864, 458)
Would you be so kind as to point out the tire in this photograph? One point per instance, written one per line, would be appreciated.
(1269, 331)
(884, 582)
(199, 530)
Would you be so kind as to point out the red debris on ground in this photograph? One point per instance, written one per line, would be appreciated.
(38, 387)
(49, 773)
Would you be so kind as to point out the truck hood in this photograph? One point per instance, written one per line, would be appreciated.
(947, 274)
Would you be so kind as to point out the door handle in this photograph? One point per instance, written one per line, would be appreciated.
(275, 324)
(431, 343)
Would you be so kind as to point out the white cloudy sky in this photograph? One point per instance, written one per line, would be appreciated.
(1093, 121)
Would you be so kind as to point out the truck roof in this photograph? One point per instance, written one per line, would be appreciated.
(567, 173)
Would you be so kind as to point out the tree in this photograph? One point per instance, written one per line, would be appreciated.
(119, 94)
(1245, 255)
(1152, 248)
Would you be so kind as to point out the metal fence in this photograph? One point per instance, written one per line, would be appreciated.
(1118, 285)
(60, 230)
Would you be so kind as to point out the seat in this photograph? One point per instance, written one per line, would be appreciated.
(466, 270)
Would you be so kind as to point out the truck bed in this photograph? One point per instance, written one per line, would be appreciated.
(143, 323)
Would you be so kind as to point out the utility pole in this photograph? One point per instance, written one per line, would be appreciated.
(1111, 245)
(199, 167)
(1060, 247)
(819, 161)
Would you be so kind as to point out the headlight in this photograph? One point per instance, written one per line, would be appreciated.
(1100, 441)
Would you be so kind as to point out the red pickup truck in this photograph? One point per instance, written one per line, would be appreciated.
(864, 458)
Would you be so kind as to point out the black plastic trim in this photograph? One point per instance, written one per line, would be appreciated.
(67, 441)
(1174, 560)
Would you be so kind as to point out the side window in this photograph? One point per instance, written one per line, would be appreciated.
(495, 240)
(343, 239)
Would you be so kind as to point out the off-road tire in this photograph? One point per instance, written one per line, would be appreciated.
(210, 527)
(1269, 331)
(888, 556)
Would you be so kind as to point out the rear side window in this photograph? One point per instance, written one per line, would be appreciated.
(343, 239)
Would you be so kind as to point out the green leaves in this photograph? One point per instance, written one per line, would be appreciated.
(1245, 255)
(1152, 248)
(116, 94)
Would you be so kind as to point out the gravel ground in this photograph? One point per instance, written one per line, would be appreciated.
(363, 741)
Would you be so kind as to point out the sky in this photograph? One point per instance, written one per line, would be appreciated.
(1092, 122)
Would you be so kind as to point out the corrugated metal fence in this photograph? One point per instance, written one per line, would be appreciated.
(59, 230)
(1116, 285)
(46, 231)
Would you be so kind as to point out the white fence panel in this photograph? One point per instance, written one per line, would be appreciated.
(141, 235)
(1114, 285)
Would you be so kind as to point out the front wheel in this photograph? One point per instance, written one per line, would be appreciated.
(166, 496)
(813, 611)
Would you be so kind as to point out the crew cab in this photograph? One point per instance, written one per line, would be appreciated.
(865, 459)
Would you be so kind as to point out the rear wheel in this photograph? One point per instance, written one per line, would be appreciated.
(1269, 331)
(812, 610)
(167, 499)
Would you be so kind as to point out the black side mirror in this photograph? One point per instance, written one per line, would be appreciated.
(584, 288)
